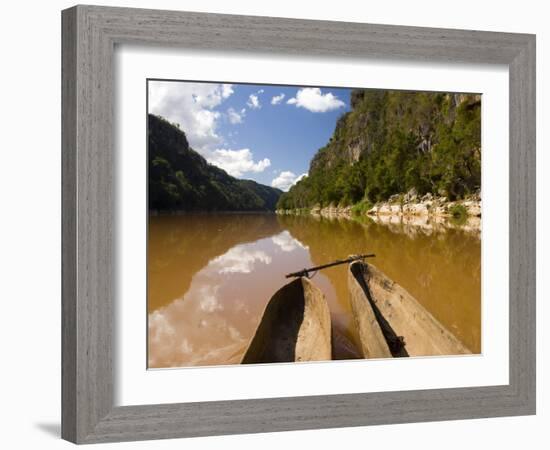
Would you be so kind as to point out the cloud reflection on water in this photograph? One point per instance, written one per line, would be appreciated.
(239, 259)
(214, 320)
(287, 243)
(215, 275)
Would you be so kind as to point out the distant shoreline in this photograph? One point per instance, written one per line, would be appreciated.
(206, 213)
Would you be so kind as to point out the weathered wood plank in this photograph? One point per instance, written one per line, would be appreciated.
(372, 341)
(295, 326)
(423, 334)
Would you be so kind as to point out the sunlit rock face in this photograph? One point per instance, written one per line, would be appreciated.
(435, 210)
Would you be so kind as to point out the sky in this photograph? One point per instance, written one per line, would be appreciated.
(264, 133)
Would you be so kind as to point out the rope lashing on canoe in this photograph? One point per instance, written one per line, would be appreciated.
(350, 259)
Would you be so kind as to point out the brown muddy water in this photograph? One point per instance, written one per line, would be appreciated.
(210, 277)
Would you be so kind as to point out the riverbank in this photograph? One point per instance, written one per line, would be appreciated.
(428, 212)
(409, 205)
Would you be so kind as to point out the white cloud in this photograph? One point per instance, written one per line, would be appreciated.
(277, 99)
(227, 90)
(253, 102)
(235, 117)
(314, 100)
(191, 105)
(237, 162)
(240, 260)
(286, 242)
(286, 180)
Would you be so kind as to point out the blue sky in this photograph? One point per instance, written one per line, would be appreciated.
(261, 132)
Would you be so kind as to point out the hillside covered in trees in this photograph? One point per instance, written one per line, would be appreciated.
(394, 141)
(182, 180)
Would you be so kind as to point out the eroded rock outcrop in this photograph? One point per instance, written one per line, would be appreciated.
(410, 204)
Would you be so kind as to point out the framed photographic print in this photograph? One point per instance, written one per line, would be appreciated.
(267, 222)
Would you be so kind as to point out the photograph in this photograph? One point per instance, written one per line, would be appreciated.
(301, 223)
(258, 225)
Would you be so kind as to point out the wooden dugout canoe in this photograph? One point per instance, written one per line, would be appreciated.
(295, 326)
(391, 322)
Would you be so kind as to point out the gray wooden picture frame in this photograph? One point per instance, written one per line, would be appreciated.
(90, 34)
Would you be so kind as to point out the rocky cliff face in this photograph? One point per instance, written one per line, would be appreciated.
(394, 141)
(358, 132)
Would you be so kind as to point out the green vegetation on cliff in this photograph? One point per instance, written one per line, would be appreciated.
(394, 141)
(182, 180)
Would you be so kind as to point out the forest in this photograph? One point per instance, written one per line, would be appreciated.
(180, 179)
(391, 142)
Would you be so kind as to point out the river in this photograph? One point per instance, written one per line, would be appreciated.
(211, 275)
